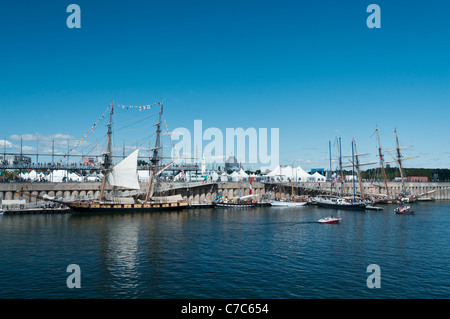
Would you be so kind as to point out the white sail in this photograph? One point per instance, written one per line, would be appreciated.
(124, 174)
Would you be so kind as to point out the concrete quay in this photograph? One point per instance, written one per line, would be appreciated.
(205, 192)
(192, 192)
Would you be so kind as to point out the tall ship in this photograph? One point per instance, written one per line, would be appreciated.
(124, 176)
(341, 202)
(404, 195)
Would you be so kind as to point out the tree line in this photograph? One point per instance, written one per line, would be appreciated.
(438, 174)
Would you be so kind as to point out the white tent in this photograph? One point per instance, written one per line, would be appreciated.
(31, 175)
(92, 179)
(281, 173)
(223, 177)
(56, 176)
(214, 176)
(288, 173)
(234, 176)
(242, 174)
(302, 176)
(318, 177)
(74, 177)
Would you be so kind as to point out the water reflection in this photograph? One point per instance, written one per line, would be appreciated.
(258, 253)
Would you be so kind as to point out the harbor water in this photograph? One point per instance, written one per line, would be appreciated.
(264, 252)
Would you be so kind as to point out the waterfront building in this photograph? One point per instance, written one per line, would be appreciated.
(232, 164)
(14, 159)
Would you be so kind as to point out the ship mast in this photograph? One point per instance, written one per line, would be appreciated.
(361, 188)
(382, 162)
(399, 160)
(353, 171)
(356, 165)
(292, 184)
(331, 173)
(108, 155)
(226, 180)
(155, 158)
(340, 168)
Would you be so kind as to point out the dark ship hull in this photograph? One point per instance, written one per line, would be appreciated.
(112, 208)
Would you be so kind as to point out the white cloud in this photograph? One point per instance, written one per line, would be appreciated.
(42, 143)
(39, 137)
(6, 143)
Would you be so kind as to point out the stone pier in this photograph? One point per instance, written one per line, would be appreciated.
(205, 192)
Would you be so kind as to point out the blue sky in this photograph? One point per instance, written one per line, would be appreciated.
(313, 70)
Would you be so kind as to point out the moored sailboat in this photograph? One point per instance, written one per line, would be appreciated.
(279, 202)
(238, 201)
(404, 195)
(124, 176)
(341, 202)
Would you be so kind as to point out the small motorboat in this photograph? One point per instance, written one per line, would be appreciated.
(403, 209)
(329, 220)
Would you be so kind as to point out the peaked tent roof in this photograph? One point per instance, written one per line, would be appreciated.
(242, 173)
(288, 172)
(318, 177)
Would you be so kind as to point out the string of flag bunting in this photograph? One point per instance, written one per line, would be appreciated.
(140, 107)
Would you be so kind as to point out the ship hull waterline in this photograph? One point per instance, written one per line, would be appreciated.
(127, 208)
(233, 205)
(343, 207)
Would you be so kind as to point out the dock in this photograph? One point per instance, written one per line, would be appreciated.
(29, 211)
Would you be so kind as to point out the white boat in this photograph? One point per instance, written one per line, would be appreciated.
(287, 204)
(403, 209)
(238, 202)
(232, 204)
(329, 220)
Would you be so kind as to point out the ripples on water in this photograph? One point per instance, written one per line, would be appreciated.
(260, 253)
